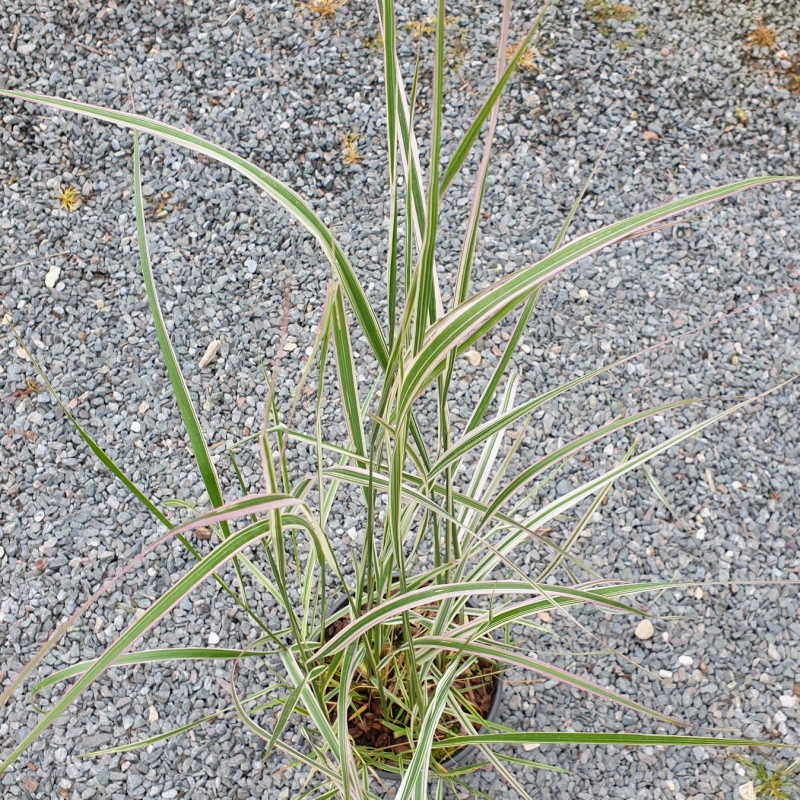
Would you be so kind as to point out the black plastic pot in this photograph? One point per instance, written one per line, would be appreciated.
(464, 754)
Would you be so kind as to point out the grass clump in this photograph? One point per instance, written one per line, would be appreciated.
(386, 653)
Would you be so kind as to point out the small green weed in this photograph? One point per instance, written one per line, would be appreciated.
(781, 783)
(374, 42)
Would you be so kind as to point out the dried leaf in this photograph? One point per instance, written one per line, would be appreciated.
(211, 352)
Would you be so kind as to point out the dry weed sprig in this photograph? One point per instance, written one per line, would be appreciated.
(350, 152)
(761, 36)
(324, 8)
(69, 198)
(527, 62)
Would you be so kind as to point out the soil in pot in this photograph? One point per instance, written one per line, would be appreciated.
(378, 725)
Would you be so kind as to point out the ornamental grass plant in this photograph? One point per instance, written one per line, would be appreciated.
(391, 651)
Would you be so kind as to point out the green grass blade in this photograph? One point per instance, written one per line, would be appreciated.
(577, 444)
(582, 738)
(108, 584)
(469, 321)
(299, 678)
(252, 504)
(348, 383)
(500, 655)
(278, 191)
(479, 411)
(403, 602)
(484, 624)
(412, 489)
(578, 529)
(491, 446)
(390, 80)
(138, 744)
(222, 553)
(97, 450)
(179, 389)
(404, 115)
(351, 660)
(489, 755)
(415, 778)
(275, 741)
(288, 706)
(426, 273)
(386, 8)
(465, 145)
(147, 657)
(477, 435)
(567, 501)
(528, 763)
(470, 240)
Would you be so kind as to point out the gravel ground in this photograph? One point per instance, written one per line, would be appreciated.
(682, 103)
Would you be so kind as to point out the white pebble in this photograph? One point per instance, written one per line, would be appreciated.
(773, 652)
(473, 356)
(644, 630)
(685, 661)
(51, 279)
(747, 791)
(788, 700)
(213, 638)
(136, 426)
